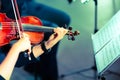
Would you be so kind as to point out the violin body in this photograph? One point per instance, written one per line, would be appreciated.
(9, 31)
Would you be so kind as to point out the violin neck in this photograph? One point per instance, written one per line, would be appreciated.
(36, 28)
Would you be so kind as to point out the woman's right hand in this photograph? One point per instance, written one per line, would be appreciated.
(23, 44)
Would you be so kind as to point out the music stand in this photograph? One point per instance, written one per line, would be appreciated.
(106, 44)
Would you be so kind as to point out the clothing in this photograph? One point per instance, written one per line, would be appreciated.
(22, 60)
(7, 8)
(1, 78)
(44, 12)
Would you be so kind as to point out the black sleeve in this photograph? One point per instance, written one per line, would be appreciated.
(1, 78)
(22, 60)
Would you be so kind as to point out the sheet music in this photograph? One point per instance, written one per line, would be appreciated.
(104, 35)
(106, 44)
(109, 54)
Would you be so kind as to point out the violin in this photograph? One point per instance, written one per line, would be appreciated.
(13, 29)
(31, 26)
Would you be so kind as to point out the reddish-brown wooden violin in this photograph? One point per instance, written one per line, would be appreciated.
(31, 25)
(9, 31)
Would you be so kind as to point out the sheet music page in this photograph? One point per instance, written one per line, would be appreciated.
(106, 43)
(108, 55)
(106, 33)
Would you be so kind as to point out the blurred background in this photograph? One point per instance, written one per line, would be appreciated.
(76, 58)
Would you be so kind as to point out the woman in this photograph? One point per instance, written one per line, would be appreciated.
(47, 66)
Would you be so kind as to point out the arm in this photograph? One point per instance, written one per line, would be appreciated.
(37, 50)
(7, 66)
(54, 38)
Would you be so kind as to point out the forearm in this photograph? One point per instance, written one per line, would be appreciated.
(37, 50)
(7, 66)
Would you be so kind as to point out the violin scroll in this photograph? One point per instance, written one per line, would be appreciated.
(72, 34)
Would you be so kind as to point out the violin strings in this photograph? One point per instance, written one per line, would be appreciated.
(8, 24)
(29, 27)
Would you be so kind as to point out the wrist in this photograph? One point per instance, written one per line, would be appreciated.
(16, 48)
(45, 47)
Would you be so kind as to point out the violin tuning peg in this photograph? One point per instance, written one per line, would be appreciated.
(76, 33)
(70, 28)
(69, 37)
(73, 38)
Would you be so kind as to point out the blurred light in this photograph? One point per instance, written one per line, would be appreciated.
(84, 1)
